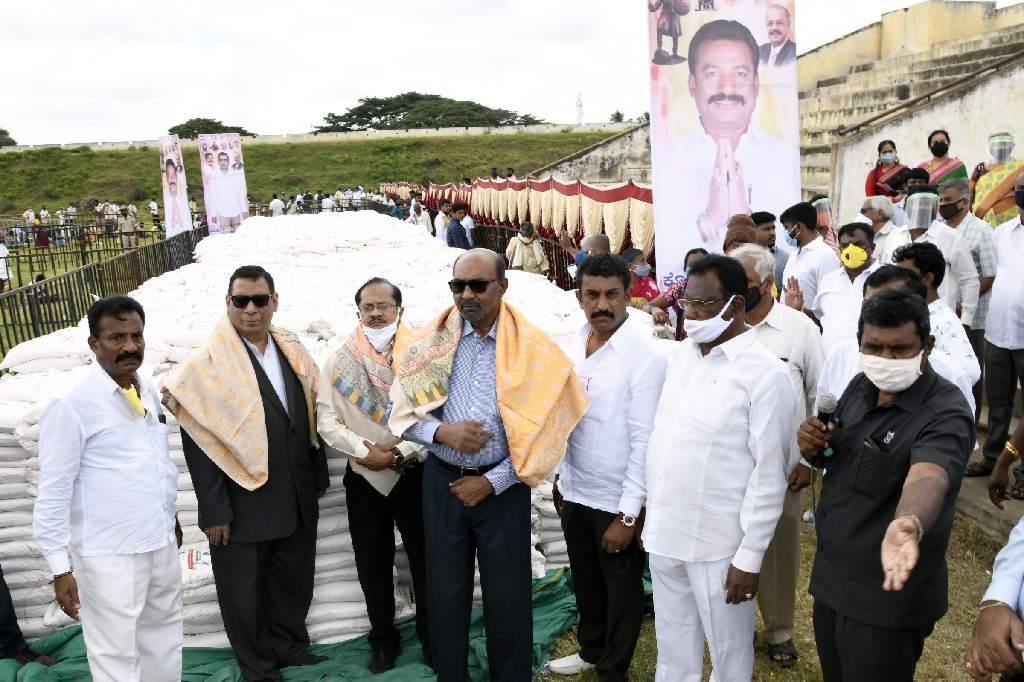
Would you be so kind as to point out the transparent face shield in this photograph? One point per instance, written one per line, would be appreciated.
(921, 208)
(824, 208)
(1000, 147)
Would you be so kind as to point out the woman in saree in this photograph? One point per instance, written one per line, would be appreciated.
(888, 166)
(942, 166)
(992, 182)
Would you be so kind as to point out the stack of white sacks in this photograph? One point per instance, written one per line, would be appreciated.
(318, 261)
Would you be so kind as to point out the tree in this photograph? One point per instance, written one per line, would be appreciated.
(618, 117)
(416, 110)
(644, 117)
(194, 127)
(5, 139)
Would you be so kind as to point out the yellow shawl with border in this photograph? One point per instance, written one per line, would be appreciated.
(217, 401)
(540, 399)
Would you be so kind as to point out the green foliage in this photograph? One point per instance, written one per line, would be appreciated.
(194, 127)
(58, 176)
(617, 117)
(5, 139)
(414, 110)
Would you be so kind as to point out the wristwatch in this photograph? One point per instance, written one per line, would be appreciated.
(397, 456)
(628, 520)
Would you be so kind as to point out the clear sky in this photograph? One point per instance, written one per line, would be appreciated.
(111, 70)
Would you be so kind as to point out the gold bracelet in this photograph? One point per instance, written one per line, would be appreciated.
(995, 603)
(917, 524)
(1012, 449)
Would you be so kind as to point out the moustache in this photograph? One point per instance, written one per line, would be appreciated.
(602, 313)
(722, 97)
(129, 356)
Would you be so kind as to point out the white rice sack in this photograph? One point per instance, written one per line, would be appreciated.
(214, 640)
(66, 343)
(26, 579)
(325, 612)
(196, 566)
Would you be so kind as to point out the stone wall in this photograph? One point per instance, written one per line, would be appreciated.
(626, 156)
(970, 114)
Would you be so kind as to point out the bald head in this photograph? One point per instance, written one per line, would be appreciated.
(480, 260)
(596, 243)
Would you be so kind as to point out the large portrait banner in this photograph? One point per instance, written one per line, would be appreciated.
(224, 192)
(177, 217)
(725, 132)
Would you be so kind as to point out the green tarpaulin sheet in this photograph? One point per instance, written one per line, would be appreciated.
(554, 613)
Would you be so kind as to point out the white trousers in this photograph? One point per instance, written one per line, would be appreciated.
(689, 607)
(132, 615)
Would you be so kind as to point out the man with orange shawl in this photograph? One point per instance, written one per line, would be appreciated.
(384, 479)
(494, 400)
(246, 403)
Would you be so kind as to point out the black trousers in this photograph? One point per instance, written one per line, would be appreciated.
(852, 651)
(497, 532)
(977, 339)
(12, 642)
(264, 590)
(371, 522)
(1002, 368)
(609, 592)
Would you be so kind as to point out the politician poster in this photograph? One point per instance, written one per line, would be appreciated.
(177, 217)
(224, 192)
(725, 135)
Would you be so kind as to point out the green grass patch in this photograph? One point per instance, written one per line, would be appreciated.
(55, 177)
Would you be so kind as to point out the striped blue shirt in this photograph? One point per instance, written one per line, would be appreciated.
(472, 396)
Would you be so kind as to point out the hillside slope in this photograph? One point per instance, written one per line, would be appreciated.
(57, 176)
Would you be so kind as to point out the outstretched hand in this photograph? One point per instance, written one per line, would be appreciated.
(899, 553)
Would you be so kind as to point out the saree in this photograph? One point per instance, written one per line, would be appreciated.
(949, 169)
(993, 193)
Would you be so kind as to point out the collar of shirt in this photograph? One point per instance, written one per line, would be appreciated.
(777, 50)
(619, 341)
(732, 348)
(816, 244)
(256, 351)
(774, 318)
(112, 386)
(467, 330)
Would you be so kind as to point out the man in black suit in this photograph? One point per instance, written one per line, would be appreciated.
(779, 49)
(260, 518)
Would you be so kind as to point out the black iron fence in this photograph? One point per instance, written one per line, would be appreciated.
(61, 301)
(497, 237)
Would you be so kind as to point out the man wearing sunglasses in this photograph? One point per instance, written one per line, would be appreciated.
(493, 435)
(385, 475)
(246, 405)
(716, 478)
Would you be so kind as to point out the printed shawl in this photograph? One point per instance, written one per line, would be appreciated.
(216, 400)
(540, 399)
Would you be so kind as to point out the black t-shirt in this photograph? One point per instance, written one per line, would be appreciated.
(874, 449)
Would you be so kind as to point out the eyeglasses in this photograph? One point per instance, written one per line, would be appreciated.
(242, 302)
(478, 286)
(368, 308)
(698, 304)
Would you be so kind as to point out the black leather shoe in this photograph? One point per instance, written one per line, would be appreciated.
(304, 659)
(382, 661)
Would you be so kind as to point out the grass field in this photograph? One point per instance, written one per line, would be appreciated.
(55, 177)
(971, 552)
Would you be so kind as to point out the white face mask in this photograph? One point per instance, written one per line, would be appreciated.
(706, 331)
(381, 338)
(889, 374)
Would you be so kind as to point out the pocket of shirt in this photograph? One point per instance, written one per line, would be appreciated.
(871, 474)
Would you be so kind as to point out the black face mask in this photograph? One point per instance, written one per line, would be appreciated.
(940, 149)
(753, 297)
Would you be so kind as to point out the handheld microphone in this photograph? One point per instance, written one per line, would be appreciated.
(827, 405)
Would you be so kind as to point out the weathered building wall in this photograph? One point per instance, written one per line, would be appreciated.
(969, 115)
(624, 157)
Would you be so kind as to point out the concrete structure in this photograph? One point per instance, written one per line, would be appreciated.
(361, 135)
(970, 113)
(627, 156)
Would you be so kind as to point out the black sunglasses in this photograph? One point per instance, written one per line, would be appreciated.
(242, 302)
(478, 286)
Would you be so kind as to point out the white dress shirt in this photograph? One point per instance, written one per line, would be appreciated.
(468, 224)
(107, 484)
(270, 361)
(843, 364)
(1005, 324)
(441, 227)
(1007, 583)
(604, 463)
(838, 303)
(809, 264)
(952, 340)
(961, 284)
(716, 462)
(793, 338)
(276, 207)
